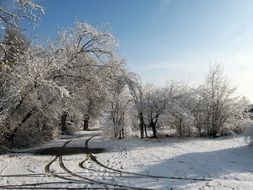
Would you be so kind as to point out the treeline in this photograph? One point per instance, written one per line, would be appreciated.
(212, 109)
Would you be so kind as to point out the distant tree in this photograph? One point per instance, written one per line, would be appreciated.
(218, 99)
(135, 87)
(178, 108)
(119, 105)
(154, 105)
(197, 109)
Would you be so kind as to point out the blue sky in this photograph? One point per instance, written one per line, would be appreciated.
(169, 39)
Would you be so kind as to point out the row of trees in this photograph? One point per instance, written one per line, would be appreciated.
(212, 109)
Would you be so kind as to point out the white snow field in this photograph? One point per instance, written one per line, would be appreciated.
(167, 163)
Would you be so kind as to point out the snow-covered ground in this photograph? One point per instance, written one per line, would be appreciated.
(167, 163)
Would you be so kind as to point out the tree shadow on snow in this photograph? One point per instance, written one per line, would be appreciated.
(210, 165)
(57, 151)
(115, 145)
(67, 150)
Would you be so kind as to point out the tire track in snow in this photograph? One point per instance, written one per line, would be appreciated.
(86, 180)
(81, 179)
(47, 166)
(93, 181)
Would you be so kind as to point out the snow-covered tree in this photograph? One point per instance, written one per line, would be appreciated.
(136, 90)
(153, 105)
(12, 12)
(219, 102)
(178, 113)
(15, 44)
(119, 105)
(49, 82)
(13, 15)
(196, 109)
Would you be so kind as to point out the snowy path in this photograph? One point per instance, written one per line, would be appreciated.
(223, 163)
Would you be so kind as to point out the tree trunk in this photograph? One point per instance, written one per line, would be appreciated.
(145, 130)
(86, 122)
(153, 126)
(121, 134)
(141, 125)
(63, 122)
(180, 128)
(213, 132)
